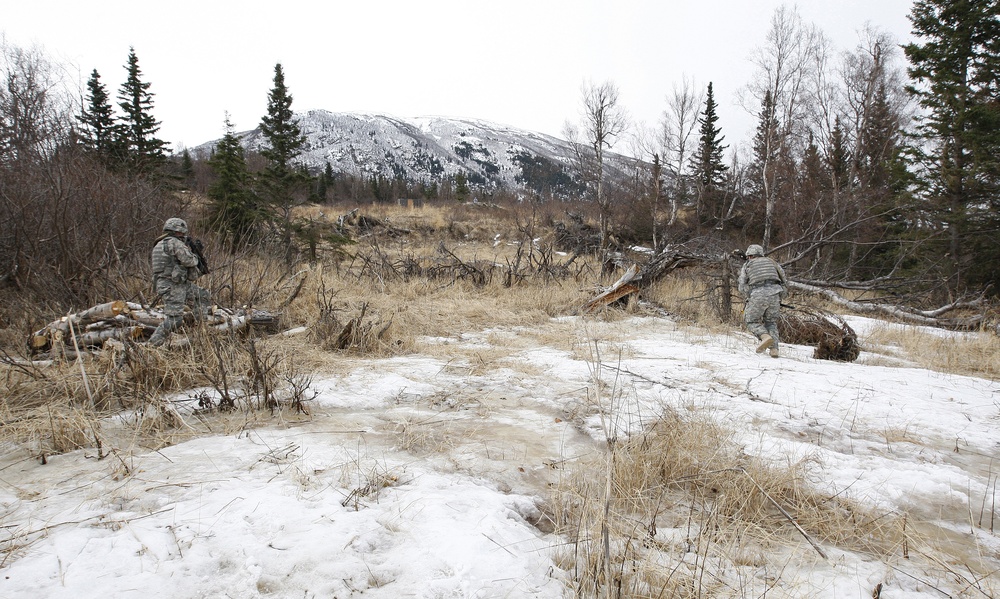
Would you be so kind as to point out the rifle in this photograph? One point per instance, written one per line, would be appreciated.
(197, 247)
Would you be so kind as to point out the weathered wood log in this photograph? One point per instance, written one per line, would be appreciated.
(94, 327)
(80, 319)
(619, 289)
(928, 318)
(97, 338)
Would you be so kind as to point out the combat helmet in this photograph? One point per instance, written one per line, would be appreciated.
(176, 225)
(755, 250)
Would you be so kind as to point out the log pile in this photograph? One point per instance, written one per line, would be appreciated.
(88, 331)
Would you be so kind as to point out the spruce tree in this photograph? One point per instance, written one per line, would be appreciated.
(709, 171)
(100, 129)
(143, 150)
(282, 182)
(837, 158)
(187, 166)
(955, 67)
(462, 191)
(233, 209)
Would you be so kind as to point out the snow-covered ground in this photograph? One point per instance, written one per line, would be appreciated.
(422, 475)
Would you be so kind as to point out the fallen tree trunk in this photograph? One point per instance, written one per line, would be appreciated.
(619, 289)
(926, 318)
(89, 330)
(669, 260)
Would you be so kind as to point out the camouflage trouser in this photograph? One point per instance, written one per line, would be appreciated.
(761, 314)
(175, 296)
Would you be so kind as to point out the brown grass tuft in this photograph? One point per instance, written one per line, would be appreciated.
(683, 488)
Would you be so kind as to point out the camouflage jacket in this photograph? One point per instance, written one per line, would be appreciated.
(173, 259)
(761, 275)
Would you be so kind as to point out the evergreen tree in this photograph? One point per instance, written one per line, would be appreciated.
(321, 188)
(838, 158)
(709, 171)
(143, 150)
(955, 68)
(187, 165)
(328, 175)
(100, 132)
(281, 180)
(233, 209)
(462, 191)
(878, 144)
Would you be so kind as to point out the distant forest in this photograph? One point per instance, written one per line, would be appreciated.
(872, 168)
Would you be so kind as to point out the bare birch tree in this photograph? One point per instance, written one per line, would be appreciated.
(680, 119)
(784, 67)
(604, 121)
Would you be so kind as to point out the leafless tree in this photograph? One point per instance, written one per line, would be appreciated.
(604, 120)
(34, 110)
(680, 119)
(785, 65)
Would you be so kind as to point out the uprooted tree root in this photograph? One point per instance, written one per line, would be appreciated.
(833, 338)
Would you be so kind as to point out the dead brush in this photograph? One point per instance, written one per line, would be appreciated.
(371, 336)
(687, 510)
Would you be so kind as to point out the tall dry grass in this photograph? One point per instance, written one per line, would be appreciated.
(432, 271)
(679, 510)
(974, 353)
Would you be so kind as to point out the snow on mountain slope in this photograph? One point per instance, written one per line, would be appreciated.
(430, 149)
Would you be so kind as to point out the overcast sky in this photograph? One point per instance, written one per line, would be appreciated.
(516, 62)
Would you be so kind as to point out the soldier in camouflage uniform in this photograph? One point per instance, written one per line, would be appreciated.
(762, 282)
(175, 268)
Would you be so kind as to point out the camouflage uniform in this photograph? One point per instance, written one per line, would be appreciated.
(175, 267)
(762, 281)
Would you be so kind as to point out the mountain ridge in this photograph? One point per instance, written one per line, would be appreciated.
(430, 150)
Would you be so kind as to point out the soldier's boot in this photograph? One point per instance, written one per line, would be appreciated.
(766, 341)
(159, 336)
(773, 351)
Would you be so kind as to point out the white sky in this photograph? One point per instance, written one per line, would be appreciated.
(517, 62)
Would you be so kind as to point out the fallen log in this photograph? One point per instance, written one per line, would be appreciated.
(619, 289)
(90, 315)
(92, 329)
(929, 318)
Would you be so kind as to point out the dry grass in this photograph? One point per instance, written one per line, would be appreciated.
(677, 511)
(690, 300)
(689, 515)
(968, 353)
(367, 303)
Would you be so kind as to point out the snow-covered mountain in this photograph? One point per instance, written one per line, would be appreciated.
(430, 149)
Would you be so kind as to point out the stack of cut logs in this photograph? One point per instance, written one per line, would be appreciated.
(87, 331)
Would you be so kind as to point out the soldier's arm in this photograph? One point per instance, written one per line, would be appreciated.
(781, 273)
(183, 253)
(741, 282)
